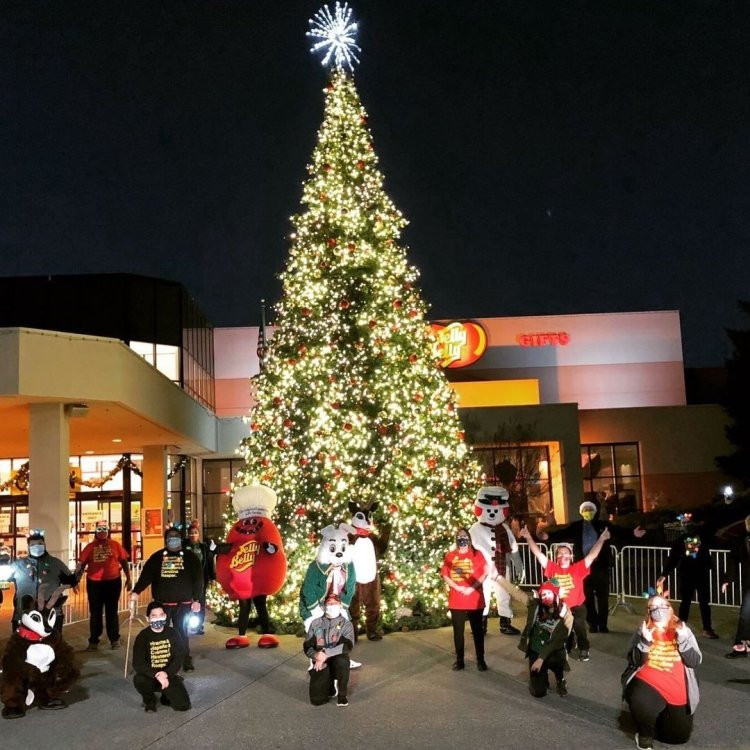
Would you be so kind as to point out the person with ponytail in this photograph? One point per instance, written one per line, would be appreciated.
(464, 570)
(660, 684)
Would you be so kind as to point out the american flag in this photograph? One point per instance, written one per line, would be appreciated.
(261, 350)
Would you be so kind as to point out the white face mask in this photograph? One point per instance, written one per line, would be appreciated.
(36, 550)
(333, 611)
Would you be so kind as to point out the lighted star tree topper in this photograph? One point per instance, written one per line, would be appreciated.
(351, 403)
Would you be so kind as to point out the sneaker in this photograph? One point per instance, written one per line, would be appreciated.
(562, 688)
(644, 743)
(92, 647)
(709, 633)
(481, 665)
(150, 708)
(583, 655)
(354, 664)
(736, 653)
(342, 701)
(13, 713)
(53, 704)
(374, 637)
(115, 644)
(458, 665)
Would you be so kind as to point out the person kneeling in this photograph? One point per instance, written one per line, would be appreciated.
(329, 640)
(158, 654)
(548, 625)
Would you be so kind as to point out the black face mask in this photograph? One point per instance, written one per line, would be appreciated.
(462, 542)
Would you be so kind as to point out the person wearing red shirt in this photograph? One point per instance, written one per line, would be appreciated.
(464, 570)
(569, 577)
(659, 683)
(104, 558)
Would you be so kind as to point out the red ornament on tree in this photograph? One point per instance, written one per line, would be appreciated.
(360, 164)
(348, 426)
(418, 397)
(351, 247)
(276, 401)
(431, 463)
(373, 324)
(306, 312)
(397, 303)
(254, 426)
(301, 511)
(413, 359)
(344, 304)
(331, 242)
(282, 443)
(287, 423)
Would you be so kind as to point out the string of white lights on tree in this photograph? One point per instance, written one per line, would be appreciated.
(351, 403)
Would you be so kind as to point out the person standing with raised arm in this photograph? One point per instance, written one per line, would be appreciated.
(570, 576)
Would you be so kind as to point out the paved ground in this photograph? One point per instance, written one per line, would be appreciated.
(404, 696)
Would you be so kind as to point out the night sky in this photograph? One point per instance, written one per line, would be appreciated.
(551, 157)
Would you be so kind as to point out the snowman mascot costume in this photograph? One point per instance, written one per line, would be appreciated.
(492, 536)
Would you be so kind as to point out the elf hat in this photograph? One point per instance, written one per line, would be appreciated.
(549, 588)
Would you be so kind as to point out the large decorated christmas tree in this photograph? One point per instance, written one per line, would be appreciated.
(351, 403)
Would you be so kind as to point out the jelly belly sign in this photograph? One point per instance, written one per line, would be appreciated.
(459, 344)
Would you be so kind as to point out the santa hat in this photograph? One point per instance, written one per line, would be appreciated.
(550, 587)
(254, 500)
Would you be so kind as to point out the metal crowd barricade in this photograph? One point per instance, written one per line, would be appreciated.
(76, 608)
(639, 567)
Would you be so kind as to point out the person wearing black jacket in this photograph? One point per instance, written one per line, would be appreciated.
(739, 560)
(157, 658)
(200, 549)
(583, 535)
(691, 554)
(176, 579)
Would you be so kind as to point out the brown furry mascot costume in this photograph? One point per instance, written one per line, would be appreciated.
(38, 665)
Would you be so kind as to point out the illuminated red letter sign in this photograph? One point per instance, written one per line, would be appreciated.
(459, 344)
(561, 338)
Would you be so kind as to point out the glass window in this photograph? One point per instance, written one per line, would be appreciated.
(612, 475)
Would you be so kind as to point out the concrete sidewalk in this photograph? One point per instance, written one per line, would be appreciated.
(404, 696)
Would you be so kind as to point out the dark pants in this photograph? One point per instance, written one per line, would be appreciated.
(175, 693)
(539, 681)
(366, 595)
(743, 626)
(104, 598)
(656, 718)
(579, 634)
(596, 588)
(689, 585)
(459, 617)
(178, 616)
(246, 605)
(321, 683)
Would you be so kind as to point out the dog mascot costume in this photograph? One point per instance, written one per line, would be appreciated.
(367, 547)
(492, 536)
(38, 665)
(332, 572)
(251, 564)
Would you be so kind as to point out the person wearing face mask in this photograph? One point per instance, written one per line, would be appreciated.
(329, 641)
(464, 570)
(548, 624)
(660, 685)
(690, 555)
(176, 579)
(39, 574)
(104, 558)
(583, 535)
(570, 577)
(157, 657)
(738, 568)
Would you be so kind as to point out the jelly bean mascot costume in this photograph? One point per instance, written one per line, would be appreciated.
(38, 665)
(331, 573)
(367, 547)
(492, 536)
(251, 564)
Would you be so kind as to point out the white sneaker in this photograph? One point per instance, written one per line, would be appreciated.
(354, 664)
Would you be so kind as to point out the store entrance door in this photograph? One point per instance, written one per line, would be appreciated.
(89, 507)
